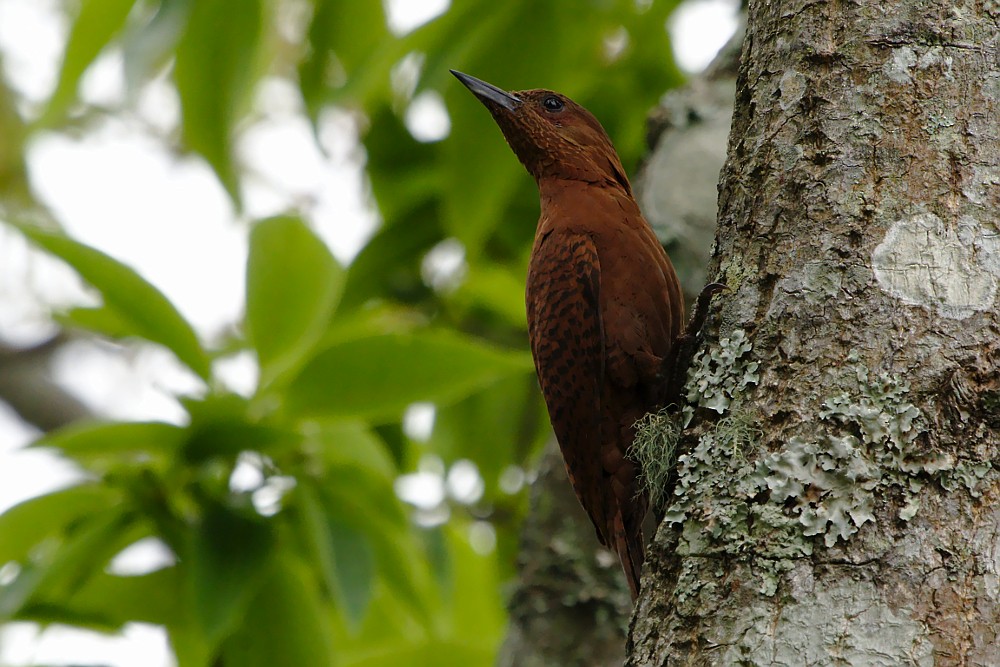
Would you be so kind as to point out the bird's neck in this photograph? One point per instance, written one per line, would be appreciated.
(554, 191)
(569, 203)
(591, 166)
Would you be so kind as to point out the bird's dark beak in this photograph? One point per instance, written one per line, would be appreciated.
(487, 92)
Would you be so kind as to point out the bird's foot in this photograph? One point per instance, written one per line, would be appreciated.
(684, 346)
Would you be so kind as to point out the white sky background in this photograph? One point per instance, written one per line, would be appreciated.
(120, 189)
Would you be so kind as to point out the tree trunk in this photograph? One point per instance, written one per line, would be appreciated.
(570, 606)
(837, 499)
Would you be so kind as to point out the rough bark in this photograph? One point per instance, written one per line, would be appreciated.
(27, 387)
(837, 501)
(570, 605)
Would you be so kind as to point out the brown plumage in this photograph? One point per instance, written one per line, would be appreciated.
(604, 305)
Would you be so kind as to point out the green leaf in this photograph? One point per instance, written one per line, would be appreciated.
(101, 320)
(496, 289)
(189, 644)
(293, 283)
(389, 264)
(356, 447)
(346, 40)
(361, 508)
(222, 425)
(88, 442)
(85, 549)
(229, 558)
(495, 428)
(427, 653)
(149, 47)
(108, 601)
(214, 71)
(466, 628)
(97, 23)
(147, 598)
(286, 624)
(486, 189)
(228, 439)
(342, 554)
(27, 524)
(358, 476)
(405, 170)
(378, 377)
(355, 566)
(135, 302)
(479, 619)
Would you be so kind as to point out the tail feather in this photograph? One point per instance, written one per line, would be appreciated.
(630, 553)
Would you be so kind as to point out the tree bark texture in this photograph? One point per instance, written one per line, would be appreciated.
(837, 500)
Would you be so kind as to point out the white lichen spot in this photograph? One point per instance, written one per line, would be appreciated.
(984, 185)
(992, 574)
(951, 268)
(936, 56)
(899, 65)
(793, 87)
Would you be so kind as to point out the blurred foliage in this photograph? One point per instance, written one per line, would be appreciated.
(333, 569)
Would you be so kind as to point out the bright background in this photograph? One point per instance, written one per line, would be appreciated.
(119, 187)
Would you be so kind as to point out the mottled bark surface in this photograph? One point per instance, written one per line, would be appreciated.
(570, 605)
(838, 499)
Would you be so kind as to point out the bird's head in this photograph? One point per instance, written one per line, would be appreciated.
(552, 136)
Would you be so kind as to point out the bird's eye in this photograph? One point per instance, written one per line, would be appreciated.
(553, 103)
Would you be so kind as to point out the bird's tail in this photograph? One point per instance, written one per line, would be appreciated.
(630, 553)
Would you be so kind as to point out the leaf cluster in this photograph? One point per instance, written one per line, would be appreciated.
(318, 552)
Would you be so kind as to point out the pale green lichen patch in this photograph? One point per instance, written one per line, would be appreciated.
(718, 373)
(715, 500)
(735, 500)
(831, 481)
(967, 475)
(830, 484)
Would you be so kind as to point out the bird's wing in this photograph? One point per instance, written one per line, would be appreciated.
(567, 342)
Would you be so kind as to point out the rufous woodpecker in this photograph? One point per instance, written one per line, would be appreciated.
(605, 309)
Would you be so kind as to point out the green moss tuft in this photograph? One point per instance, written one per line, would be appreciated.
(654, 449)
(717, 376)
